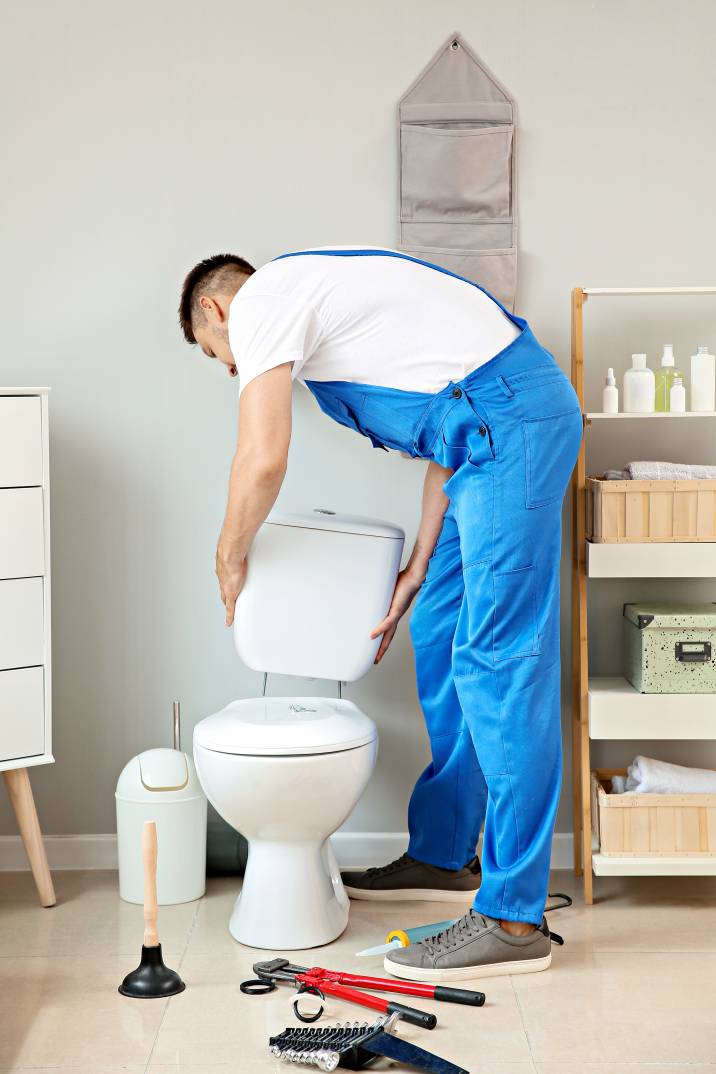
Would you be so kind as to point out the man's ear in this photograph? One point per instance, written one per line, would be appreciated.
(211, 306)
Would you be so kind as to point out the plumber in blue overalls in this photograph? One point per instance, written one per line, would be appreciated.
(427, 363)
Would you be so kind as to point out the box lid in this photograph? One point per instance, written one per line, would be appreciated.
(663, 616)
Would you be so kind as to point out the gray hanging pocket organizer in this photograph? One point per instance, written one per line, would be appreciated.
(457, 171)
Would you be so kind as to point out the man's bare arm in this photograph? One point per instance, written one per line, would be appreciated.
(257, 473)
(435, 504)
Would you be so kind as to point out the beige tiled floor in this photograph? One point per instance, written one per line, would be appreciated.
(632, 992)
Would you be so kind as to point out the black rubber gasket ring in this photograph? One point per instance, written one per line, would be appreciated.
(258, 986)
(310, 990)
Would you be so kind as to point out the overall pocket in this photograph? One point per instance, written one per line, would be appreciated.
(551, 447)
(514, 631)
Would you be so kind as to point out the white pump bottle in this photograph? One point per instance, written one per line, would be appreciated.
(639, 387)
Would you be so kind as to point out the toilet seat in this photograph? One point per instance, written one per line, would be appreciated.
(285, 726)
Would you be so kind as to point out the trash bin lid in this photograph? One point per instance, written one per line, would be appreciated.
(163, 770)
(158, 775)
(285, 726)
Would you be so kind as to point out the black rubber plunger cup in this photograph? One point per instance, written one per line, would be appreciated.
(151, 979)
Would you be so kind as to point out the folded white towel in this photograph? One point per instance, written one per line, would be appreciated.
(668, 471)
(648, 776)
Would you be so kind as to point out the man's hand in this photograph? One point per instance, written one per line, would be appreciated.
(406, 587)
(231, 572)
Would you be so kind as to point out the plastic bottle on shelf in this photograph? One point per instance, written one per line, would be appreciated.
(665, 378)
(677, 395)
(639, 387)
(610, 394)
(703, 380)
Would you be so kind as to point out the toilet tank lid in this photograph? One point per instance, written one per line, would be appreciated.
(321, 518)
(284, 726)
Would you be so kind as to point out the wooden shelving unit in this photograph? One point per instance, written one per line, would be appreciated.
(609, 708)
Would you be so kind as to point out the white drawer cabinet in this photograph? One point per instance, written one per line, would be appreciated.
(22, 712)
(22, 533)
(22, 626)
(20, 440)
(25, 672)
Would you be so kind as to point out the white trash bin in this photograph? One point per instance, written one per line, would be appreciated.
(162, 785)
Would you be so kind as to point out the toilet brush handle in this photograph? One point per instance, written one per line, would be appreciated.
(149, 856)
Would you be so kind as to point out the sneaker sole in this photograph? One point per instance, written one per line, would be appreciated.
(411, 895)
(468, 973)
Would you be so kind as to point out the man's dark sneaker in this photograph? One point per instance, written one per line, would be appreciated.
(408, 879)
(474, 946)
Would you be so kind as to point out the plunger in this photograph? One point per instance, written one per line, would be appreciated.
(151, 979)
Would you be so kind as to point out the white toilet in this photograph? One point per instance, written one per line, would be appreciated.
(287, 771)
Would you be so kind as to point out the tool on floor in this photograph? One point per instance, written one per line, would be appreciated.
(151, 979)
(404, 937)
(355, 1046)
(334, 982)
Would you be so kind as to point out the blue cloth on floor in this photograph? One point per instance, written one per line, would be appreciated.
(485, 626)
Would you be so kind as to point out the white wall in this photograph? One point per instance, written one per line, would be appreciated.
(139, 137)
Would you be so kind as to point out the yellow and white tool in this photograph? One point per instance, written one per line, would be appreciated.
(404, 937)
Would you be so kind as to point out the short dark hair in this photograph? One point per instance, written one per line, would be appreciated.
(209, 276)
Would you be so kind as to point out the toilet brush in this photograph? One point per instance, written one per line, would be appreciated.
(151, 979)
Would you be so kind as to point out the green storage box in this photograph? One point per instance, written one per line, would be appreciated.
(671, 648)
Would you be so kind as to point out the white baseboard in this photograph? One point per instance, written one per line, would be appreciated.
(63, 852)
(353, 850)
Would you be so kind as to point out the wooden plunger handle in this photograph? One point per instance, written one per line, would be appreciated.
(149, 855)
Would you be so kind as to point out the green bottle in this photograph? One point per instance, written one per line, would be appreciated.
(665, 379)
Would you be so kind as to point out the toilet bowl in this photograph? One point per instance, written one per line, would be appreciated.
(286, 772)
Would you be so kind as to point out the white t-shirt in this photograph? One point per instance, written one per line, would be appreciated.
(375, 320)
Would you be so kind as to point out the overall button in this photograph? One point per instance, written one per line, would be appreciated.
(482, 431)
(456, 393)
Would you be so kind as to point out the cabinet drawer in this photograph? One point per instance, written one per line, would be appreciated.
(22, 541)
(20, 440)
(22, 713)
(21, 623)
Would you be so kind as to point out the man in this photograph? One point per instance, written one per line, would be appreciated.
(422, 361)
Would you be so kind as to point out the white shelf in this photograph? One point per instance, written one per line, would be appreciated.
(667, 559)
(613, 865)
(617, 711)
(649, 290)
(594, 415)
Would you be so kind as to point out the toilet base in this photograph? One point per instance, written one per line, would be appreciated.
(292, 897)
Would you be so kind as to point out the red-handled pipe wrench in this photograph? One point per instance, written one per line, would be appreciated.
(335, 983)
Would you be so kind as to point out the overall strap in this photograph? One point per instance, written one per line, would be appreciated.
(405, 257)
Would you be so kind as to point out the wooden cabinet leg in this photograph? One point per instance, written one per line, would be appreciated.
(576, 798)
(17, 781)
(585, 780)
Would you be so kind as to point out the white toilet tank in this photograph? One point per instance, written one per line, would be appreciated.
(317, 584)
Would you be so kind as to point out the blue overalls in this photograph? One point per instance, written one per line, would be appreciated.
(485, 626)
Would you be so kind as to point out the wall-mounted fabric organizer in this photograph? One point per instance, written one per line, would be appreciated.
(457, 188)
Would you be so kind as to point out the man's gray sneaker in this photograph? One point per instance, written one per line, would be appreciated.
(409, 879)
(474, 946)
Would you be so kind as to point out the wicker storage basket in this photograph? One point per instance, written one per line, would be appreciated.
(656, 825)
(622, 511)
